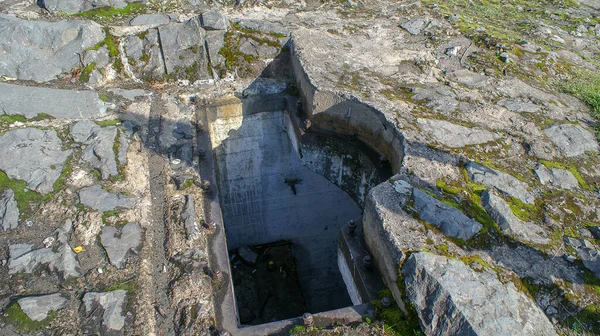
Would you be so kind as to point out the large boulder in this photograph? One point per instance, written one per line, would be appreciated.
(452, 299)
(31, 101)
(39, 50)
(451, 221)
(33, 155)
(503, 182)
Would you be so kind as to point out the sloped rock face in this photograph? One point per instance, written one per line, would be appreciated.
(77, 6)
(40, 51)
(503, 182)
(452, 135)
(453, 299)
(33, 155)
(572, 140)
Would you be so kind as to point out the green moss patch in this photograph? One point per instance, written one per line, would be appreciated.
(396, 322)
(15, 316)
(86, 72)
(111, 14)
(552, 164)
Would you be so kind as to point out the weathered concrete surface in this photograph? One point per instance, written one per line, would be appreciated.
(40, 51)
(453, 135)
(99, 199)
(451, 221)
(38, 307)
(572, 140)
(9, 211)
(503, 182)
(31, 101)
(267, 195)
(501, 213)
(33, 155)
(453, 299)
(119, 243)
(107, 309)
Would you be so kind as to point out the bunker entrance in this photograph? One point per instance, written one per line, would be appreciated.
(284, 202)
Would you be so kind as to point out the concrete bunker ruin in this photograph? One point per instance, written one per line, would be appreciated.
(286, 194)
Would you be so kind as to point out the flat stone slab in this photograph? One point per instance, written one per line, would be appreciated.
(455, 136)
(30, 101)
(33, 155)
(501, 213)
(503, 182)
(100, 141)
(572, 140)
(60, 258)
(448, 219)
(40, 50)
(9, 210)
(107, 310)
(119, 243)
(38, 307)
(452, 299)
(99, 199)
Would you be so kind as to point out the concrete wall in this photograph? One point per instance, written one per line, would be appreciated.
(332, 111)
(254, 155)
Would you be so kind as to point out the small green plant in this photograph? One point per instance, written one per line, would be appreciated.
(110, 14)
(585, 85)
(86, 72)
(297, 329)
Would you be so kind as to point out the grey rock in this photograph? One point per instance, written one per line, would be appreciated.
(22, 257)
(38, 307)
(109, 308)
(183, 130)
(503, 182)
(595, 230)
(448, 219)
(264, 26)
(123, 147)
(31, 101)
(150, 19)
(560, 178)
(468, 78)
(183, 50)
(120, 243)
(587, 252)
(452, 51)
(572, 140)
(439, 98)
(504, 57)
(100, 141)
(414, 27)
(189, 219)
(248, 255)
(185, 153)
(452, 299)
(518, 106)
(9, 210)
(40, 51)
(215, 40)
(130, 94)
(78, 6)
(214, 20)
(99, 199)
(146, 54)
(501, 213)
(454, 136)
(257, 49)
(100, 57)
(33, 155)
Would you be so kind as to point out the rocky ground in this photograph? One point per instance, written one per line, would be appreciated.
(103, 210)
